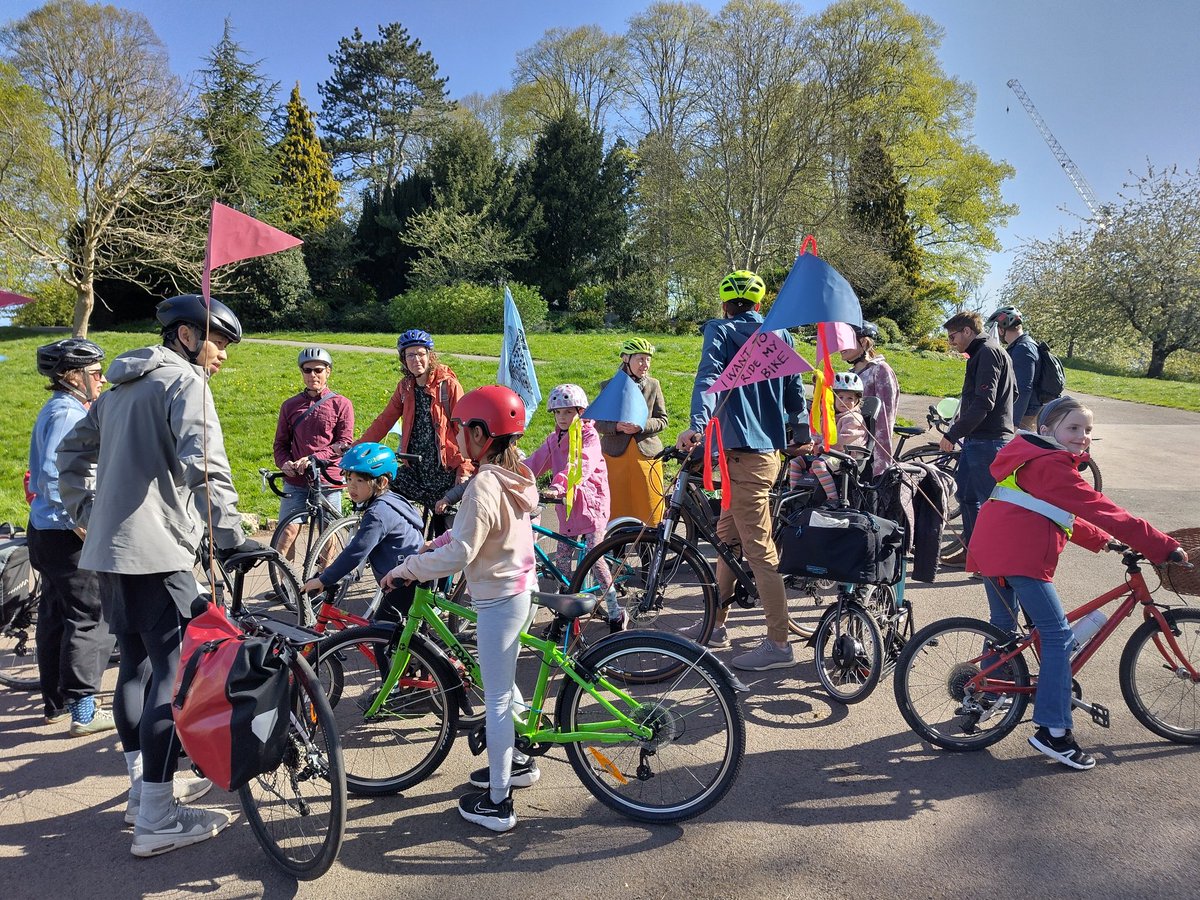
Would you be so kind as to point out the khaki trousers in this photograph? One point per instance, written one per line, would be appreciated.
(746, 525)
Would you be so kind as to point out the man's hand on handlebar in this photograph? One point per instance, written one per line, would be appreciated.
(687, 440)
(946, 445)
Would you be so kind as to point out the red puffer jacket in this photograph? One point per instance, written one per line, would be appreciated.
(1011, 540)
(444, 391)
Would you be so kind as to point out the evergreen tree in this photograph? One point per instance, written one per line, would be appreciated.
(309, 192)
(571, 208)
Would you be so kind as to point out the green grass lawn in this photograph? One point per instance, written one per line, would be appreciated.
(258, 378)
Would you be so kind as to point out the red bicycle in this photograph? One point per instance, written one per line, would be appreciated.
(963, 684)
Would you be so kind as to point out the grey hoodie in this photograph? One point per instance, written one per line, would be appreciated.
(133, 470)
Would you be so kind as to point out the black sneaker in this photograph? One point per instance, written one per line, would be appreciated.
(524, 774)
(1063, 749)
(478, 807)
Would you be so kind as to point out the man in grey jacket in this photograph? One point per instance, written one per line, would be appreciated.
(145, 473)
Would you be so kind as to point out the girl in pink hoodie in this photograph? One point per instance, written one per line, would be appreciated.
(492, 541)
(572, 453)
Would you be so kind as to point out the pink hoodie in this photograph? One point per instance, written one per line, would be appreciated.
(491, 538)
(590, 510)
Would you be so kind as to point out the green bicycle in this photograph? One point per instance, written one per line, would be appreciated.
(656, 749)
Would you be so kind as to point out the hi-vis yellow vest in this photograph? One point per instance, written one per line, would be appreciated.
(1008, 491)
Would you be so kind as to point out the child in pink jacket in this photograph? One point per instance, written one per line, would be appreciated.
(587, 516)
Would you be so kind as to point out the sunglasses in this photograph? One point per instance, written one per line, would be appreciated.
(96, 373)
(313, 370)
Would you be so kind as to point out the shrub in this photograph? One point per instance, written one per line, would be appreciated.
(934, 343)
(53, 304)
(464, 308)
(889, 331)
(586, 308)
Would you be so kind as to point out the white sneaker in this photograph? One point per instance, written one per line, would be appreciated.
(187, 790)
(181, 827)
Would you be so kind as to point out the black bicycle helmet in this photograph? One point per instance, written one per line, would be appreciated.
(867, 330)
(190, 309)
(67, 354)
(1006, 317)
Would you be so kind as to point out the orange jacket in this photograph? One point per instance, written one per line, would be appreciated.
(444, 391)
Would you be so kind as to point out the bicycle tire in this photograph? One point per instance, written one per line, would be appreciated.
(411, 736)
(687, 587)
(301, 830)
(271, 588)
(18, 648)
(931, 673)
(697, 750)
(848, 652)
(1159, 692)
(306, 536)
(1090, 471)
(359, 593)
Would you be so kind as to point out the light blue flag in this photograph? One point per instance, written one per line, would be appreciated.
(516, 365)
(813, 292)
(620, 401)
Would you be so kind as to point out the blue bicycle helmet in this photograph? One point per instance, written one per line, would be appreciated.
(414, 337)
(371, 460)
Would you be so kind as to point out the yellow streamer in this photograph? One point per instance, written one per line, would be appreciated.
(574, 461)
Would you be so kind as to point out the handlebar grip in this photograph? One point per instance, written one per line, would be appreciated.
(408, 457)
(1178, 556)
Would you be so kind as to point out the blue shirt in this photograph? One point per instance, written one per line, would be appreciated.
(390, 528)
(59, 415)
(756, 416)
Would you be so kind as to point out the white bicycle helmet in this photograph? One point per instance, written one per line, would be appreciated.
(567, 395)
(847, 381)
(314, 354)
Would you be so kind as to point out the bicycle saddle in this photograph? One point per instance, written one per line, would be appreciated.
(569, 606)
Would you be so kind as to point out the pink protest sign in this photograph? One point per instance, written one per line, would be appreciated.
(838, 335)
(766, 355)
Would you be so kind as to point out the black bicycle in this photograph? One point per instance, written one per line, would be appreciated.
(20, 592)
(296, 536)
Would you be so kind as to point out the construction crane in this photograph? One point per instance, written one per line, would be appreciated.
(1099, 213)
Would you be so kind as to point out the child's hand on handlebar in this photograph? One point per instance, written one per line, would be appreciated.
(390, 580)
(312, 586)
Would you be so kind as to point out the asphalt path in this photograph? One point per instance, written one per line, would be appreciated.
(832, 801)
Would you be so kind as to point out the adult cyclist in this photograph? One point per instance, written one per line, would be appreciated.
(1023, 351)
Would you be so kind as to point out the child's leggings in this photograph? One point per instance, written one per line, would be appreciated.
(565, 557)
(820, 470)
(500, 621)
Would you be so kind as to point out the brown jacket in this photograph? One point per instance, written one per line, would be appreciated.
(613, 442)
(444, 391)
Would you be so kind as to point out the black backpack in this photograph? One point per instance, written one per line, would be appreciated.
(1051, 380)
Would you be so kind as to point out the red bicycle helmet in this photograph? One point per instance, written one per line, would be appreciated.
(497, 408)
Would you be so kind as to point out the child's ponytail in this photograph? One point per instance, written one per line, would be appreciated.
(503, 452)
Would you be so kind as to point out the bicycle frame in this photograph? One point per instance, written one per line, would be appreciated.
(529, 724)
(1135, 592)
(547, 564)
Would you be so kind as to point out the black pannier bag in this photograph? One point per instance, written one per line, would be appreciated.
(842, 545)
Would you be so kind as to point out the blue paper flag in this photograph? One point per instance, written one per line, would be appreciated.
(516, 365)
(620, 401)
(814, 291)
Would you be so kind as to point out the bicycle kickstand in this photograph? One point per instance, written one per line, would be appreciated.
(1097, 711)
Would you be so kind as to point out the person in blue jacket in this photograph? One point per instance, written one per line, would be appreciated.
(1023, 351)
(390, 528)
(754, 422)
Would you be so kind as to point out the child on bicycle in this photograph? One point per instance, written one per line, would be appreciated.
(1040, 502)
(572, 452)
(851, 432)
(491, 540)
(390, 528)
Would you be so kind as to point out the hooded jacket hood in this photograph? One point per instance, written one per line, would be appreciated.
(136, 363)
(1025, 447)
(519, 487)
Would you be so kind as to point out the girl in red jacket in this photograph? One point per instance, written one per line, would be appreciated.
(1016, 546)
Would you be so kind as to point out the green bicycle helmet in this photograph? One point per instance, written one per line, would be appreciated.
(637, 345)
(743, 285)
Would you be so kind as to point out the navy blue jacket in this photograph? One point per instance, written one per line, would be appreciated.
(1024, 354)
(391, 528)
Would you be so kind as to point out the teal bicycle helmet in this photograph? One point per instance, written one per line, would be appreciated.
(372, 460)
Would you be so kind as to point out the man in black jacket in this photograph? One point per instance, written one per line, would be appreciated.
(985, 419)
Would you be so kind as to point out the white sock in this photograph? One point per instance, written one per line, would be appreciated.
(1057, 732)
(156, 803)
(133, 762)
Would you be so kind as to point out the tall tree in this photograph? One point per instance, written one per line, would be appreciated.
(310, 193)
(381, 106)
(577, 218)
(580, 69)
(116, 113)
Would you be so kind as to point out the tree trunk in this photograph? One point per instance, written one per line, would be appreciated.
(1158, 360)
(84, 302)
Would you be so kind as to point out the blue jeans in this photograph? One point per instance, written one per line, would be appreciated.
(974, 479)
(1052, 703)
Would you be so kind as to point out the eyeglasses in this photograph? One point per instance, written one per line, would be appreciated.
(313, 370)
(98, 374)
(415, 354)
(951, 334)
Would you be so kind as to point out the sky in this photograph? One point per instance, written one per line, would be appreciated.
(1115, 82)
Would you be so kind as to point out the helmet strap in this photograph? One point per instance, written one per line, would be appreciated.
(175, 342)
(61, 384)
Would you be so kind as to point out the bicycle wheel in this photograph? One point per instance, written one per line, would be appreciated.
(414, 729)
(686, 592)
(931, 679)
(271, 588)
(18, 648)
(357, 594)
(298, 810)
(1091, 474)
(849, 652)
(1156, 685)
(296, 551)
(699, 735)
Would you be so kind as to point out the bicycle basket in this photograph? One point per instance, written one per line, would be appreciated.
(1177, 578)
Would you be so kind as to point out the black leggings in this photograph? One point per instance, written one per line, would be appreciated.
(142, 704)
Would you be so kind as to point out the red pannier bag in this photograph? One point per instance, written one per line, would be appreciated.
(231, 703)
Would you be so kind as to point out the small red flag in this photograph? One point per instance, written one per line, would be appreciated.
(7, 298)
(234, 236)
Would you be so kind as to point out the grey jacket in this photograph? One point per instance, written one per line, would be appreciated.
(613, 442)
(133, 470)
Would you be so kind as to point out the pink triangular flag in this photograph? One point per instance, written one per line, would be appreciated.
(7, 298)
(234, 236)
(839, 336)
(765, 355)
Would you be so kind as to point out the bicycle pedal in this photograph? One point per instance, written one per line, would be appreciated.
(477, 739)
(1100, 715)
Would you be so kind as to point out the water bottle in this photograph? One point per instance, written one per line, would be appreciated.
(1087, 627)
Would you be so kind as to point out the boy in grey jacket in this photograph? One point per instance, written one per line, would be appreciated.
(145, 472)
